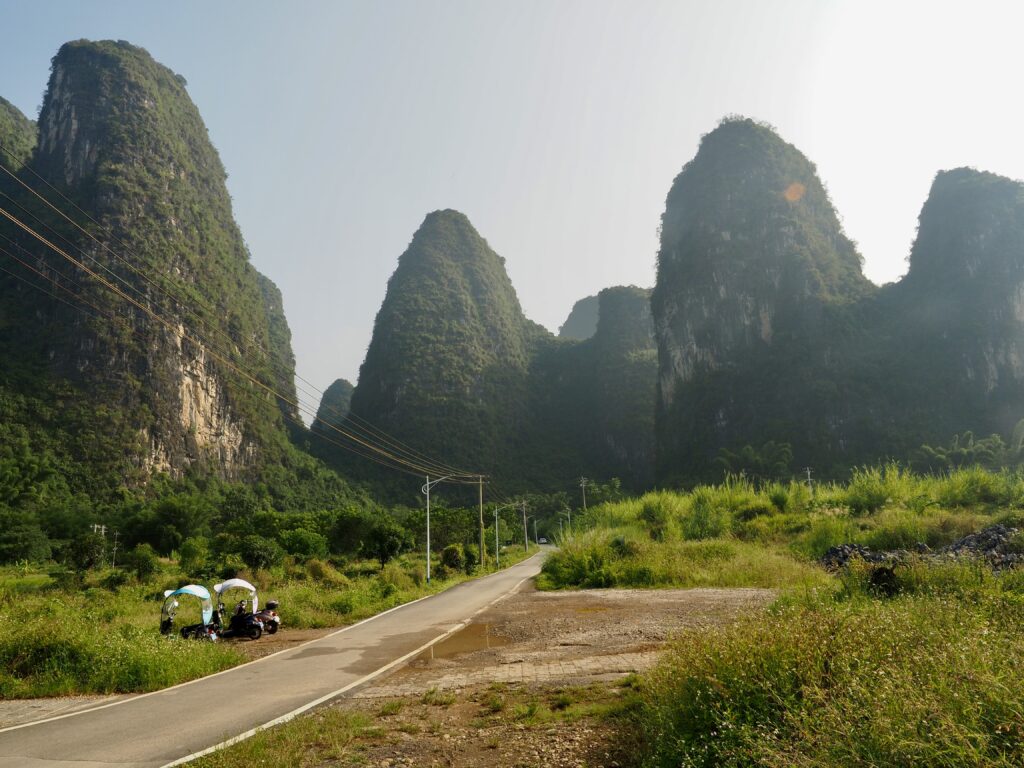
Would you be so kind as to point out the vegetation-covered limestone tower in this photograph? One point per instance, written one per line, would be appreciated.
(752, 269)
(119, 135)
(446, 370)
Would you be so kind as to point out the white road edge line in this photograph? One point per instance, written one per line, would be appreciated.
(366, 678)
(130, 697)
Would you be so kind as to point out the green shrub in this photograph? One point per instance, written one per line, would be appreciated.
(704, 520)
(260, 553)
(304, 544)
(142, 561)
(661, 513)
(973, 486)
(193, 555)
(453, 557)
(867, 491)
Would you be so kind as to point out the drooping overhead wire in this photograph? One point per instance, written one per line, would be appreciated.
(353, 422)
(179, 330)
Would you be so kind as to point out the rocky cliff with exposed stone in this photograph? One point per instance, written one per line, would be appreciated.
(155, 318)
(768, 332)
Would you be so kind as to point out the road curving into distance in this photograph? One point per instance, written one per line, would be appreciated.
(177, 724)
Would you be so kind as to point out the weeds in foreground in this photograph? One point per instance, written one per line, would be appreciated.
(929, 678)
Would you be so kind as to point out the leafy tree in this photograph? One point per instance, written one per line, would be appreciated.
(769, 462)
(304, 543)
(142, 561)
(85, 551)
(194, 553)
(387, 540)
(21, 538)
(259, 553)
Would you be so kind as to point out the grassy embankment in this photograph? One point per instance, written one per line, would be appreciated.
(60, 638)
(834, 674)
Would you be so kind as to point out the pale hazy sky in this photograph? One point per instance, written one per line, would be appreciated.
(556, 126)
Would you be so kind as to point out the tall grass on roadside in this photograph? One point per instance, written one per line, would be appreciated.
(88, 638)
(931, 678)
(624, 557)
(69, 649)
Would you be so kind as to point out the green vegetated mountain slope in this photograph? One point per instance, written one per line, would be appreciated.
(17, 136)
(334, 407)
(601, 391)
(457, 372)
(768, 331)
(581, 323)
(112, 394)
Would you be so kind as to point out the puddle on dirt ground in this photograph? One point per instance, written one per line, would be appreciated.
(474, 637)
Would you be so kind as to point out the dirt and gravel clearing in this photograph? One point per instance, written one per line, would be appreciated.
(566, 637)
(531, 680)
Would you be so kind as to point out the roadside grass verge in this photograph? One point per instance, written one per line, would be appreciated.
(59, 637)
(503, 729)
(770, 535)
(603, 558)
(843, 678)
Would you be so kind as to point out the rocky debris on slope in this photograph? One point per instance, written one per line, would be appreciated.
(995, 544)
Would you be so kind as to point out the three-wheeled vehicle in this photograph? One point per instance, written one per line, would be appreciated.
(243, 621)
(205, 629)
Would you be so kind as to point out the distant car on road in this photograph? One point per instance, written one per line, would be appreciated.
(542, 540)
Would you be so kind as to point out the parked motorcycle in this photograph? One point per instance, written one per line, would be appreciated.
(242, 622)
(205, 629)
(271, 620)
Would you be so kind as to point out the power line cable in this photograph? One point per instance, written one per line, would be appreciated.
(180, 331)
(361, 425)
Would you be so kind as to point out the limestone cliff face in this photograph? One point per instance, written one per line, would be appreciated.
(618, 368)
(752, 264)
(119, 135)
(750, 249)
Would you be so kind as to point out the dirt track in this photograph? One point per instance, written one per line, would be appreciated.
(567, 637)
(533, 651)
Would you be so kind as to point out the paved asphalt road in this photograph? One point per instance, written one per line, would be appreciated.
(160, 728)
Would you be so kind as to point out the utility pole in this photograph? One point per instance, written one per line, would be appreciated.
(483, 552)
(583, 487)
(113, 556)
(427, 491)
(535, 539)
(526, 531)
(497, 555)
(808, 471)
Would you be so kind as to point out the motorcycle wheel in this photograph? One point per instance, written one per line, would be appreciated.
(254, 632)
(271, 627)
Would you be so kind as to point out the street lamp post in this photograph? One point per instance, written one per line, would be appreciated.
(426, 489)
(497, 556)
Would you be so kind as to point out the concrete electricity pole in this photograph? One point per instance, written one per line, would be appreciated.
(583, 487)
(526, 532)
(483, 552)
